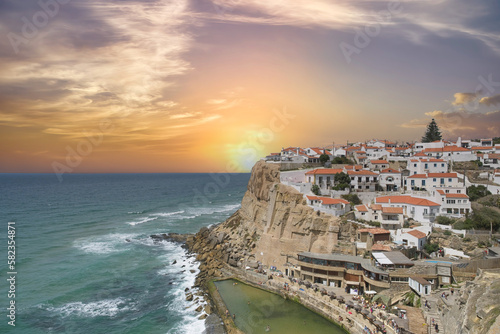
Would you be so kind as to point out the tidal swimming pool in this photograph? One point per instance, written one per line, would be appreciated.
(255, 309)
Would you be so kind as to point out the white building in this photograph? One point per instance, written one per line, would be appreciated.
(420, 285)
(433, 145)
(411, 238)
(454, 201)
(334, 206)
(427, 165)
(450, 153)
(378, 165)
(390, 179)
(323, 177)
(363, 180)
(389, 218)
(420, 209)
(496, 176)
(432, 180)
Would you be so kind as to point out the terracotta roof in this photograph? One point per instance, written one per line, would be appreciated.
(406, 200)
(324, 171)
(376, 230)
(379, 162)
(312, 198)
(361, 208)
(456, 196)
(420, 154)
(386, 209)
(418, 176)
(376, 207)
(390, 170)
(441, 191)
(417, 234)
(361, 172)
(329, 200)
(479, 148)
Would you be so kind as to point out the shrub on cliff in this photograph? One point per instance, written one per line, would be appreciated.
(353, 198)
(315, 189)
(476, 192)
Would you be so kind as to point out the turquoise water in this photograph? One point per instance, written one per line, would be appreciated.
(255, 309)
(84, 259)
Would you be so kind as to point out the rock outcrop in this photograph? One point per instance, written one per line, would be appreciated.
(477, 311)
(273, 224)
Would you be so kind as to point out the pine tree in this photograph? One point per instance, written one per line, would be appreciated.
(432, 133)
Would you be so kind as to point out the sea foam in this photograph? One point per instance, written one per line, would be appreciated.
(101, 308)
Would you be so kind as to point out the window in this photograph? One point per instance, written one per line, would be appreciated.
(414, 165)
(412, 182)
(435, 165)
(426, 166)
(442, 181)
(442, 165)
(449, 180)
(459, 191)
(434, 180)
(423, 183)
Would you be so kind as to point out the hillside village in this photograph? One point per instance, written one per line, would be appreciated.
(407, 204)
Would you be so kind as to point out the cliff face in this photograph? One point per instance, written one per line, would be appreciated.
(280, 219)
(477, 311)
(272, 224)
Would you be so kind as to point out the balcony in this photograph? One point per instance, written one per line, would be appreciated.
(381, 284)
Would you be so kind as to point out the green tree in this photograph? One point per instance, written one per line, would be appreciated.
(315, 189)
(342, 181)
(324, 158)
(342, 161)
(476, 192)
(431, 247)
(432, 133)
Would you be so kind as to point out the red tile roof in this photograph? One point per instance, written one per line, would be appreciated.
(328, 200)
(417, 234)
(376, 230)
(456, 196)
(405, 199)
(361, 208)
(362, 172)
(418, 176)
(324, 171)
(386, 209)
(379, 162)
(390, 170)
(376, 207)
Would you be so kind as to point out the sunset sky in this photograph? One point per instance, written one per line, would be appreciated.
(212, 85)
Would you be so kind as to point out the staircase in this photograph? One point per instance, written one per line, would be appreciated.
(430, 314)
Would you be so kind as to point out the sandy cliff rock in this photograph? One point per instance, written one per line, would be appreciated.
(477, 310)
(273, 224)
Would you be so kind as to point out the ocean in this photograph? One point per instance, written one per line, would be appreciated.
(84, 260)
